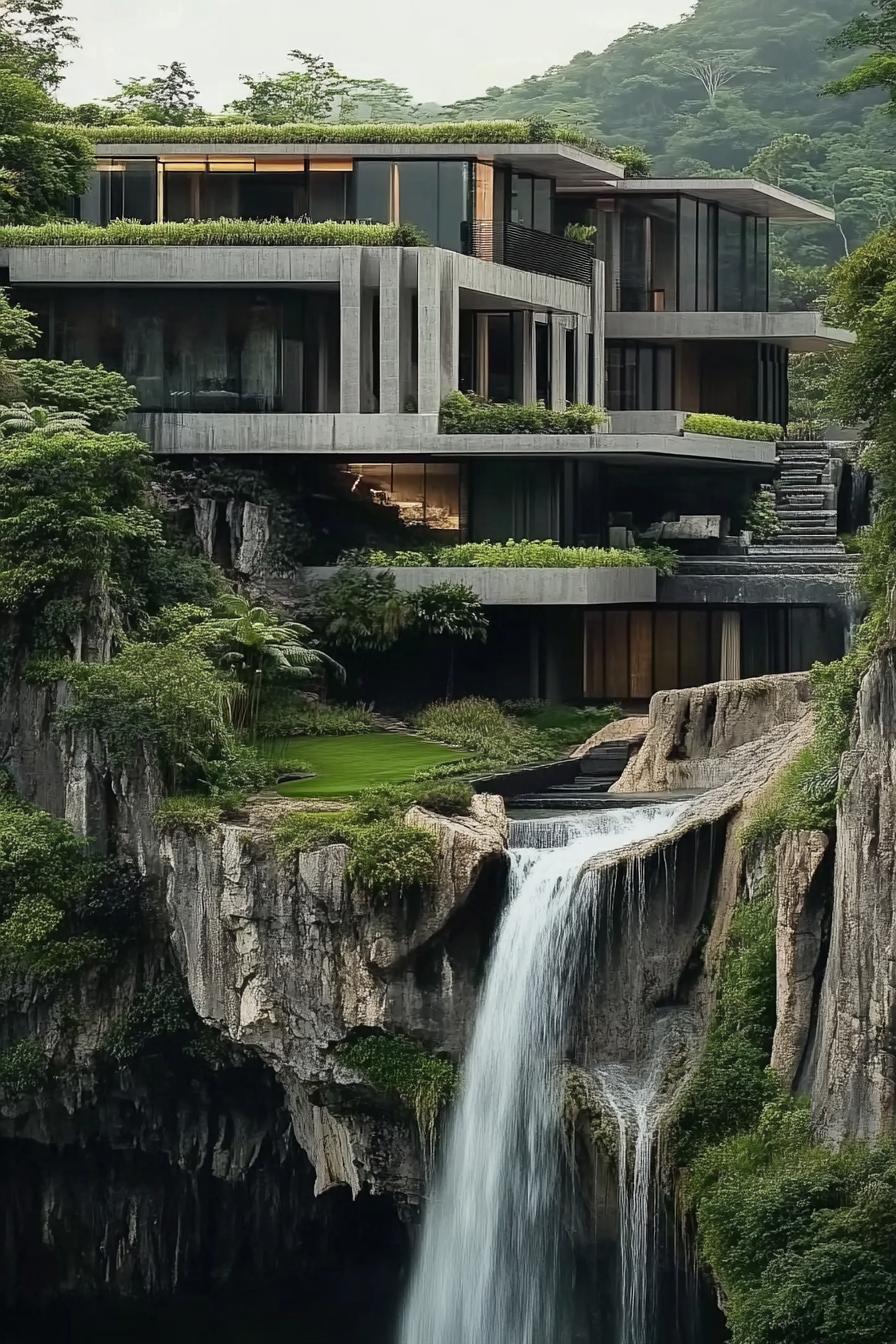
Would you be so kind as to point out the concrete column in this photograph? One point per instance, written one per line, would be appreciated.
(350, 330)
(390, 326)
(558, 363)
(482, 366)
(449, 360)
(429, 332)
(582, 369)
(407, 329)
(524, 357)
(599, 328)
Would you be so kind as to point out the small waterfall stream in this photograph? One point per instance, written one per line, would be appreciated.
(494, 1253)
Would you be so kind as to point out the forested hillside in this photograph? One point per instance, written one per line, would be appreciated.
(710, 93)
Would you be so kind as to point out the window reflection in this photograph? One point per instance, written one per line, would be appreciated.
(640, 377)
(120, 189)
(420, 494)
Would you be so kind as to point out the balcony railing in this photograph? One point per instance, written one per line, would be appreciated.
(531, 250)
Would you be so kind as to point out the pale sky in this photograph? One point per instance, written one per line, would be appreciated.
(441, 50)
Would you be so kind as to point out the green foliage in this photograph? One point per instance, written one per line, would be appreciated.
(102, 396)
(294, 717)
(60, 910)
(213, 233)
(33, 34)
(299, 832)
(18, 331)
(24, 1070)
(20, 418)
(466, 413)
(728, 427)
(41, 166)
(169, 698)
(877, 68)
(161, 1021)
(452, 798)
(519, 555)
(193, 813)
(483, 728)
(449, 610)
(71, 510)
(812, 381)
(802, 1239)
(359, 610)
(762, 516)
(356, 133)
(732, 1082)
(387, 856)
(425, 1083)
(390, 858)
(802, 798)
(168, 98)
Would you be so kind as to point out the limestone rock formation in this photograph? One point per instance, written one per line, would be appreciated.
(705, 736)
(802, 893)
(854, 1066)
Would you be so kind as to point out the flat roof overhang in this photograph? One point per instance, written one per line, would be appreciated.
(573, 168)
(388, 437)
(745, 194)
(799, 332)
(619, 586)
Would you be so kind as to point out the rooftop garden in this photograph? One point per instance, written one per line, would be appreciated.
(467, 413)
(213, 232)
(535, 130)
(727, 427)
(520, 555)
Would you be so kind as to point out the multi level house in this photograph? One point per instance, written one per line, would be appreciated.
(337, 359)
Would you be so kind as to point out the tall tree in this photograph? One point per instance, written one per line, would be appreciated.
(877, 70)
(41, 167)
(168, 98)
(33, 37)
(313, 92)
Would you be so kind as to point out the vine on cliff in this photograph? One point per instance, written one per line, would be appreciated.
(425, 1083)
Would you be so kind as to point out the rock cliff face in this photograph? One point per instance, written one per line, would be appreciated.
(853, 1072)
(289, 960)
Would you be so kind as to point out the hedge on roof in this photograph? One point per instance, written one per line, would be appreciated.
(727, 427)
(212, 232)
(535, 131)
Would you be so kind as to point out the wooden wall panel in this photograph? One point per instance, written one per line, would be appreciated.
(694, 648)
(593, 678)
(665, 651)
(617, 655)
(641, 655)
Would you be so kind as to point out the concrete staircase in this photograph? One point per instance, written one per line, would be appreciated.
(806, 499)
(597, 771)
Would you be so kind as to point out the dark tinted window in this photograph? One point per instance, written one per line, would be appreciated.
(372, 182)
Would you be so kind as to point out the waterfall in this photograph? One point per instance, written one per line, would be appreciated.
(633, 1095)
(490, 1268)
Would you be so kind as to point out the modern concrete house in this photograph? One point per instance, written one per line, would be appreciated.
(337, 359)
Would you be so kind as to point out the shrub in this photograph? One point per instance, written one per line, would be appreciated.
(802, 798)
(469, 414)
(359, 610)
(212, 233)
(732, 1082)
(425, 1083)
(450, 799)
(71, 509)
(359, 133)
(480, 726)
(512, 555)
(40, 857)
(24, 1070)
(389, 858)
(761, 518)
(727, 427)
(169, 698)
(192, 812)
(300, 832)
(99, 394)
(297, 718)
(161, 1021)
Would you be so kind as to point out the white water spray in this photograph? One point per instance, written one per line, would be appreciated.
(490, 1264)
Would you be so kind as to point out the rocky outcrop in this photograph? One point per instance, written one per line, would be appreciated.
(853, 1074)
(709, 735)
(802, 892)
(620, 730)
(288, 960)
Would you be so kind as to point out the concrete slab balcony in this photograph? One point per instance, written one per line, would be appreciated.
(527, 587)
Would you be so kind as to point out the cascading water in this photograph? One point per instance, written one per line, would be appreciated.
(493, 1247)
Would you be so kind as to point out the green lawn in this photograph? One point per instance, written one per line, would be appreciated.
(345, 765)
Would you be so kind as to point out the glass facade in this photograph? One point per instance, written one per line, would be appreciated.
(120, 189)
(676, 253)
(420, 494)
(436, 196)
(202, 350)
(531, 202)
(640, 377)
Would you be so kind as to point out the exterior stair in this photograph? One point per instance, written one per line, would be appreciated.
(806, 499)
(597, 771)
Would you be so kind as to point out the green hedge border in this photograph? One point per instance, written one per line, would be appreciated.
(727, 427)
(213, 233)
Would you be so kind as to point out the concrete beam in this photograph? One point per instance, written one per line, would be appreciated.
(796, 331)
(527, 587)
(350, 331)
(390, 327)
